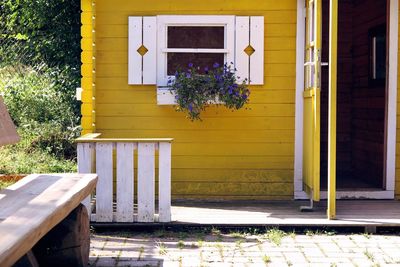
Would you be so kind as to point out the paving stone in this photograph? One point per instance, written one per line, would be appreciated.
(316, 250)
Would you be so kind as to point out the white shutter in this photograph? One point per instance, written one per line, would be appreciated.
(249, 59)
(242, 41)
(257, 42)
(135, 59)
(142, 50)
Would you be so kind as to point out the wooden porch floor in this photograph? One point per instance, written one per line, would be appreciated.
(364, 213)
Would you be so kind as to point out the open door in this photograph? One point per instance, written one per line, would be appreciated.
(312, 98)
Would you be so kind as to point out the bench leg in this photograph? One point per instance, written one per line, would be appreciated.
(29, 260)
(68, 243)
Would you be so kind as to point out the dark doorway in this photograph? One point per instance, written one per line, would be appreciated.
(361, 94)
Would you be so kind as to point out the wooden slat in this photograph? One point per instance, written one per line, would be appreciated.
(135, 59)
(34, 205)
(104, 191)
(242, 41)
(164, 183)
(146, 182)
(257, 42)
(150, 42)
(125, 185)
(85, 155)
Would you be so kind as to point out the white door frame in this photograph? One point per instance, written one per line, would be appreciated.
(390, 167)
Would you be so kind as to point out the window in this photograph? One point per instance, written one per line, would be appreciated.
(160, 45)
(201, 40)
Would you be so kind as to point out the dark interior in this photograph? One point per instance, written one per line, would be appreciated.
(361, 94)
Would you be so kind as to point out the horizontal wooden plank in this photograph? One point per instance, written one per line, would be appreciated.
(205, 6)
(151, 110)
(231, 175)
(121, 17)
(121, 30)
(233, 162)
(221, 123)
(227, 188)
(207, 135)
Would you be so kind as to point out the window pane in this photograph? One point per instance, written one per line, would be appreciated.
(180, 61)
(196, 37)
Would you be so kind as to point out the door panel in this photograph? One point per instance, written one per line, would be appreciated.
(312, 99)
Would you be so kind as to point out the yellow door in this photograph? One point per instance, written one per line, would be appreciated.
(312, 95)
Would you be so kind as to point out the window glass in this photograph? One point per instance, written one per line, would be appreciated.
(196, 37)
(180, 61)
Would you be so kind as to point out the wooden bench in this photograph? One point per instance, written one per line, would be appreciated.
(42, 222)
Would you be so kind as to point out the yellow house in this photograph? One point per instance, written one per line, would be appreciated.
(277, 148)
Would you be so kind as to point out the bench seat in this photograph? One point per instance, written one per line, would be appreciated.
(30, 208)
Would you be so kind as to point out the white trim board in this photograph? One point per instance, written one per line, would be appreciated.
(391, 109)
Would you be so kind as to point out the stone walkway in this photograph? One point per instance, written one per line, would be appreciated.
(271, 248)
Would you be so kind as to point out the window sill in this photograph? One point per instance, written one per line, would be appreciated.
(166, 97)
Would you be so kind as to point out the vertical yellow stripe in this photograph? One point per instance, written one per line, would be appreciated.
(333, 31)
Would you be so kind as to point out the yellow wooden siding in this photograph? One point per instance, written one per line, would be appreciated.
(246, 154)
(87, 68)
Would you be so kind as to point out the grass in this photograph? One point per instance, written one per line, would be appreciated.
(275, 236)
(15, 160)
(162, 249)
(266, 259)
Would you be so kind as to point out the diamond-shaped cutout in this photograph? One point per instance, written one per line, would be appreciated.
(249, 50)
(142, 50)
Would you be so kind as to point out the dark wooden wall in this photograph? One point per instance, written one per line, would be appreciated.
(360, 122)
(368, 101)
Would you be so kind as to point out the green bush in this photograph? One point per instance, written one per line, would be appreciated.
(42, 113)
(34, 97)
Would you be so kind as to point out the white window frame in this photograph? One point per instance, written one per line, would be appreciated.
(164, 21)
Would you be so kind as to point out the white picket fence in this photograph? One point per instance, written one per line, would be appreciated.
(95, 155)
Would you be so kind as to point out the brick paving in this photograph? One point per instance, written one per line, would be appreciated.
(273, 248)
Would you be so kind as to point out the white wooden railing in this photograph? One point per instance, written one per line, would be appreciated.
(96, 155)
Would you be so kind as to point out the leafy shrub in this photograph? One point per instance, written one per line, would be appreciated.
(195, 89)
(42, 113)
(33, 97)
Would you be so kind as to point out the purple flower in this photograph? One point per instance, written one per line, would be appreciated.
(188, 75)
(177, 97)
(190, 65)
(176, 74)
(206, 70)
(244, 97)
(190, 107)
(230, 91)
(216, 65)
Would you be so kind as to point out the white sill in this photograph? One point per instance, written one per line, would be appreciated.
(166, 97)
